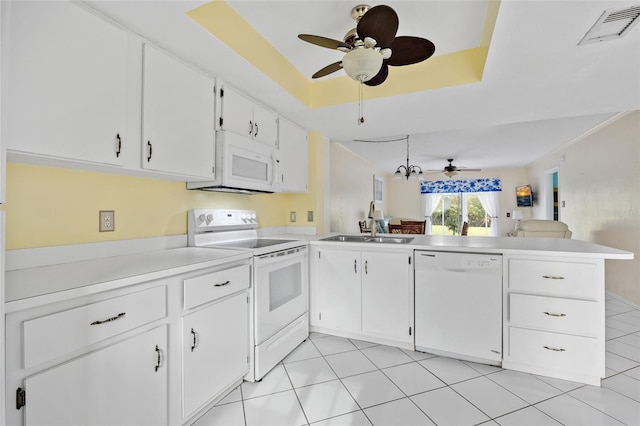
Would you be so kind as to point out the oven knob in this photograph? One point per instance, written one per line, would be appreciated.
(201, 218)
(253, 217)
(244, 217)
(209, 218)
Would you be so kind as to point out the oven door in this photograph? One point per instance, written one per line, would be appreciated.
(281, 290)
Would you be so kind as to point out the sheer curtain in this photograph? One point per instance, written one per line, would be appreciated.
(489, 201)
(430, 203)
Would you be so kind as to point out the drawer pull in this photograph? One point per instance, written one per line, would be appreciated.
(159, 362)
(552, 277)
(554, 349)
(551, 314)
(120, 315)
(195, 340)
(222, 284)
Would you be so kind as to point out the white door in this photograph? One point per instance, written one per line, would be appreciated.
(123, 384)
(293, 149)
(338, 289)
(265, 125)
(237, 113)
(178, 117)
(215, 350)
(67, 84)
(281, 292)
(386, 295)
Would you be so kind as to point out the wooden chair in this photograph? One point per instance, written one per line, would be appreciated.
(413, 226)
(363, 226)
(465, 228)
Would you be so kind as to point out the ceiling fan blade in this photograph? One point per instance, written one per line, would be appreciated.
(380, 77)
(329, 43)
(380, 23)
(407, 50)
(336, 66)
(464, 169)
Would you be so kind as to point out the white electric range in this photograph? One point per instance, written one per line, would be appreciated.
(279, 293)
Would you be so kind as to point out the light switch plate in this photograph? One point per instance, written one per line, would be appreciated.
(107, 220)
(310, 216)
(292, 217)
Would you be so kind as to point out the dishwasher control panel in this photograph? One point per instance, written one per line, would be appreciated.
(457, 260)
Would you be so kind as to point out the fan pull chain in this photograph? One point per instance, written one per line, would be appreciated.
(360, 106)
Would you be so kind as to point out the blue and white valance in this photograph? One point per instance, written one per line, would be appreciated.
(460, 185)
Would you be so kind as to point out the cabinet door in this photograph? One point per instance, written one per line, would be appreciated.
(265, 125)
(67, 84)
(237, 113)
(215, 350)
(386, 295)
(119, 385)
(338, 290)
(294, 157)
(178, 117)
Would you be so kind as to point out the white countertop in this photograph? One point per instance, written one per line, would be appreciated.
(501, 245)
(73, 279)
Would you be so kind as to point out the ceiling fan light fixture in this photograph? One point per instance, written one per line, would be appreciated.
(450, 174)
(362, 64)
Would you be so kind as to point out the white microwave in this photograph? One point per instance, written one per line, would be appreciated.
(242, 165)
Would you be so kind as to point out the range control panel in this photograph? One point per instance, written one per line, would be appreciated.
(203, 220)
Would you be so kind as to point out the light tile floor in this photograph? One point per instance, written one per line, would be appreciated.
(329, 380)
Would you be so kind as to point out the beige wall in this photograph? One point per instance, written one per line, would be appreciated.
(599, 180)
(50, 206)
(351, 188)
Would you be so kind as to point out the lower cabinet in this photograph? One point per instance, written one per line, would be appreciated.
(214, 350)
(159, 352)
(122, 384)
(554, 317)
(363, 293)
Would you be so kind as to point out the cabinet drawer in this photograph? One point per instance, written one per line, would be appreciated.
(208, 287)
(53, 335)
(555, 352)
(550, 313)
(572, 279)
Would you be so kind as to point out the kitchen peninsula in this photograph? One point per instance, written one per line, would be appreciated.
(564, 278)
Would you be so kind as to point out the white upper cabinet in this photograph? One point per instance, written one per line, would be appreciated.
(243, 116)
(178, 117)
(67, 83)
(293, 155)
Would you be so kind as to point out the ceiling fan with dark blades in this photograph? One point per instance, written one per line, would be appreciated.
(450, 170)
(372, 46)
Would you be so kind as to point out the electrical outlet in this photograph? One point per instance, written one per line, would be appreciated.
(292, 217)
(310, 216)
(107, 220)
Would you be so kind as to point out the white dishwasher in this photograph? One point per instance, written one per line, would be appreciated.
(458, 305)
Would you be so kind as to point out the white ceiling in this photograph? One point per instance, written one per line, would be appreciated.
(539, 91)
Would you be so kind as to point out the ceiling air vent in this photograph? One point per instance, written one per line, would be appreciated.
(613, 23)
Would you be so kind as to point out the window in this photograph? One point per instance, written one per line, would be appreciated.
(454, 209)
(447, 204)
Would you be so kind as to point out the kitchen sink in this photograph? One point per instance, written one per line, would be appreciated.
(368, 239)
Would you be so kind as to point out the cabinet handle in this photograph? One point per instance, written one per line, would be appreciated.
(552, 277)
(159, 362)
(250, 127)
(257, 128)
(366, 266)
(355, 266)
(222, 284)
(195, 340)
(554, 349)
(98, 322)
(119, 150)
(551, 314)
(150, 151)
